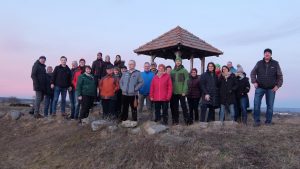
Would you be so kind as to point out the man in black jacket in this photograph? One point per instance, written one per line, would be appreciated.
(39, 78)
(97, 67)
(267, 78)
(61, 82)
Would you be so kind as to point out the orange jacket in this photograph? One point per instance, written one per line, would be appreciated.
(108, 86)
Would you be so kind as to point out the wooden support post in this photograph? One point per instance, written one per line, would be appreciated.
(202, 64)
(152, 59)
(192, 62)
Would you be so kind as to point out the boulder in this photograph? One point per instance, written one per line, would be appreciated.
(171, 140)
(136, 130)
(203, 124)
(129, 124)
(2, 114)
(99, 124)
(15, 115)
(231, 123)
(154, 128)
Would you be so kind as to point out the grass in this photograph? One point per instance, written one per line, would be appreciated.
(36, 144)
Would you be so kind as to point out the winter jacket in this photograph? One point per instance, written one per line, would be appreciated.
(77, 72)
(194, 88)
(62, 76)
(243, 86)
(119, 64)
(97, 68)
(161, 88)
(39, 76)
(180, 77)
(108, 86)
(86, 85)
(228, 89)
(49, 90)
(267, 75)
(147, 77)
(131, 82)
(209, 85)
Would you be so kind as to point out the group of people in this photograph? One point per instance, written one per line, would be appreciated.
(161, 87)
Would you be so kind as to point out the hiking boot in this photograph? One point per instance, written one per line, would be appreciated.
(38, 116)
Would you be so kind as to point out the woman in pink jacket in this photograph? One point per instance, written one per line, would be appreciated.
(160, 93)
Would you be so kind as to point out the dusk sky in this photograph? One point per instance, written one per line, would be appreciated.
(80, 29)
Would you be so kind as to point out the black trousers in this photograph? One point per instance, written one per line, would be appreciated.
(211, 113)
(86, 104)
(118, 106)
(126, 101)
(193, 109)
(108, 106)
(161, 105)
(175, 107)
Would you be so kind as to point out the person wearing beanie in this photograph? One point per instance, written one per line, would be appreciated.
(218, 70)
(39, 79)
(108, 87)
(242, 94)
(267, 78)
(97, 67)
(180, 77)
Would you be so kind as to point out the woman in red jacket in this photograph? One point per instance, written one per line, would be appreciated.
(160, 93)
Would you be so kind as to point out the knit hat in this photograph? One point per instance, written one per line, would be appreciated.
(240, 69)
(178, 59)
(42, 57)
(109, 67)
(218, 65)
(268, 50)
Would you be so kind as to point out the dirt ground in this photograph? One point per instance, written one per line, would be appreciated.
(58, 143)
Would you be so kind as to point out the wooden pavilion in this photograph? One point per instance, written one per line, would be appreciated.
(179, 42)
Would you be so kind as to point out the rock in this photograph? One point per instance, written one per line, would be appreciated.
(203, 124)
(170, 140)
(15, 115)
(2, 114)
(112, 128)
(230, 123)
(154, 128)
(99, 124)
(129, 124)
(216, 123)
(136, 130)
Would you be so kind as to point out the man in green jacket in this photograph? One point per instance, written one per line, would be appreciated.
(180, 77)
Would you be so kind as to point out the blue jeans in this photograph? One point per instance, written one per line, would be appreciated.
(243, 106)
(270, 97)
(57, 92)
(75, 105)
(231, 110)
(48, 104)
